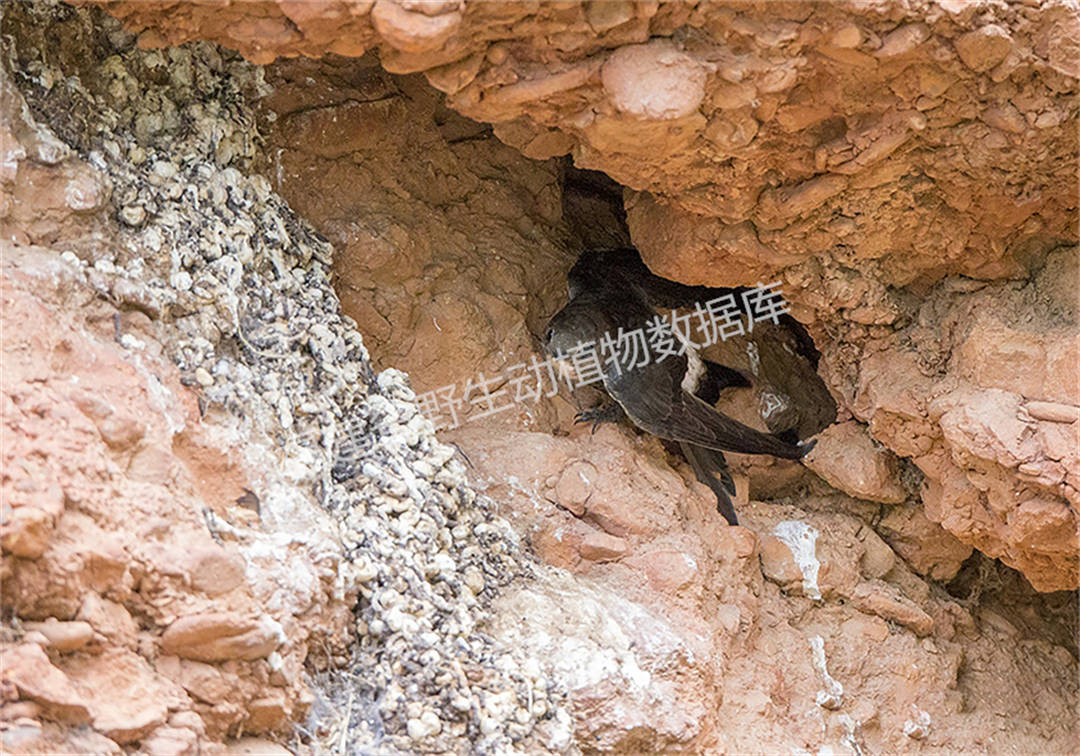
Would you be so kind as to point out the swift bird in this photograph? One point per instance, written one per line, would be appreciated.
(670, 397)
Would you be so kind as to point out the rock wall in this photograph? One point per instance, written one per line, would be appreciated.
(219, 505)
(209, 495)
(859, 154)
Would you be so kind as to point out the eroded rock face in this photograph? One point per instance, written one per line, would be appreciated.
(106, 513)
(780, 117)
(178, 485)
(454, 272)
(955, 400)
(803, 628)
(857, 154)
(801, 615)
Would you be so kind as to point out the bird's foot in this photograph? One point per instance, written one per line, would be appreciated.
(604, 413)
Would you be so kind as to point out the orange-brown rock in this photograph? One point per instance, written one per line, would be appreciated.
(88, 411)
(26, 531)
(27, 668)
(127, 700)
(255, 747)
(928, 548)
(747, 227)
(907, 173)
(63, 636)
(816, 110)
(598, 546)
(214, 570)
(171, 741)
(110, 619)
(220, 636)
(983, 455)
(846, 456)
(876, 597)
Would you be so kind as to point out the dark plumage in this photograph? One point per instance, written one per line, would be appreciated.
(670, 398)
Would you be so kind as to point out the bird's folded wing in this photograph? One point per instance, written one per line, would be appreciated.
(656, 402)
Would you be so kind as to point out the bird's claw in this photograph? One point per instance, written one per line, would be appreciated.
(588, 416)
(597, 415)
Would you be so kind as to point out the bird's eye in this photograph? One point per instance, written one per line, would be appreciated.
(550, 333)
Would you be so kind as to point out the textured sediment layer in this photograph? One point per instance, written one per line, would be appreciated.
(224, 517)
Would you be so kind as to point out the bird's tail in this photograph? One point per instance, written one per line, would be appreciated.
(711, 468)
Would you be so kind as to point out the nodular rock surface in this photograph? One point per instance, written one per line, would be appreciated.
(869, 157)
(228, 528)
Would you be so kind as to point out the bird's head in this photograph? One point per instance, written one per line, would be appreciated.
(572, 325)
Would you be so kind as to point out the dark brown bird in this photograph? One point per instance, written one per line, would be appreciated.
(670, 397)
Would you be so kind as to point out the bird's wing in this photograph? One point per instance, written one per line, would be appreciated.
(655, 400)
(598, 268)
(718, 377)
